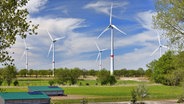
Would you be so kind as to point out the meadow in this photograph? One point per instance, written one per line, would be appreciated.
(92, 91)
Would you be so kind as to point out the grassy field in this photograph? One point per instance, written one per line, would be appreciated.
(97, 93)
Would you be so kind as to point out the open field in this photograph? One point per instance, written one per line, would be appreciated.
(97, 93)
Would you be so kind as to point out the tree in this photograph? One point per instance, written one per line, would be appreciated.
(103, 76)
(13, 22)
(140, 72)
(23, 72)
(62, 75)
(30, 72)
(163, 67)
(9, 74)
(74, 75)
(170, 19)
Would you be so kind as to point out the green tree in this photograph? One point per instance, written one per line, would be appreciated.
(62, 75)
(51, 82)
(74, 75)
(23, 72)
(103, 76)
(13, 22)
(140, 72)
(30, 72)
(112, 80)
(170, 19)
(9, 74)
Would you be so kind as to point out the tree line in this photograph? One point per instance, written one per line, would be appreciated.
(83, 72)
(9, 74)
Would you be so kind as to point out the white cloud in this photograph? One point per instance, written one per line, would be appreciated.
(146, 20)
(104, 6)
(34, 6)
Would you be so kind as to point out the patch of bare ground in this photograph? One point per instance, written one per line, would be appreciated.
(135, 79)
(72, 97)
(146, 102)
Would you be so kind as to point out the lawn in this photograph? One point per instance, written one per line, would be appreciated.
(94, 92)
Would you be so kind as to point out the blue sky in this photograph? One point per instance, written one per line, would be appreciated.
(81, 21)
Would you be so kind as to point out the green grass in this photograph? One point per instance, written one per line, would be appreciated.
(97, 93)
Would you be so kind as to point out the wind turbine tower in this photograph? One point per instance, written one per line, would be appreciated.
(111, 27)
(52, 46)
(99, 57)
(26, 53)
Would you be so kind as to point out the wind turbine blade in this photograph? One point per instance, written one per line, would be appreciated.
(159, 39)
(107, 28)
(50, 35)
(104, 49)
(98, 56)
(111, 14)
(155, 51)
(23, 54)
(165, 47)
(50, 49)
(59, 38)
(118, 29)
(25, 44)
(97, 46)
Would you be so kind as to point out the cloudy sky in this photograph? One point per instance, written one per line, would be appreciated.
(81, 21)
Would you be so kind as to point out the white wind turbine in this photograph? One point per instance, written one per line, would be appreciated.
(99, 56)
(26, 53)
(159, 47)
(111, 27)
(52, 46)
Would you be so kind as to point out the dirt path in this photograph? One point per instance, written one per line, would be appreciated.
(126, 102)
(146, 102)
(72, 97)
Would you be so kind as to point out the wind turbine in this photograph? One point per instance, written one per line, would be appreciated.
(99, 56)
(52, 46)
(26, 53)
(111, 27)
(159, 47)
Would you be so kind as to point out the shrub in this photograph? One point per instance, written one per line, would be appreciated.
(134, 96)
(16, 83)
(51, 82)
(1, 82)
(112, 80)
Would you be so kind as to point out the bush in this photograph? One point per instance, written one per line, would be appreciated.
(134, 96)
(181, 99)
(1, 82)
(112, 80)
(16, 83)
(51, 82)
(141, 92)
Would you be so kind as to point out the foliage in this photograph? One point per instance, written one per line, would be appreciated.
(112, 80)
(23, 72)
(16, 83)
(129, 73)
(134, 96)
(63, 76)
(105, 78)
(1, 81)
(170, 19)
(51, 82)
(13, 22)
(9, 73)
(142, 92)
(181, 99)
(168, 70)
(84, 101)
